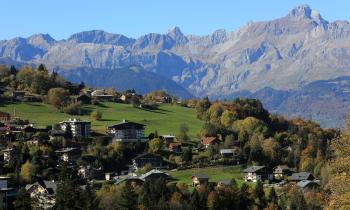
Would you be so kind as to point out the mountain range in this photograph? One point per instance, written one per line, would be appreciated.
(298, 65)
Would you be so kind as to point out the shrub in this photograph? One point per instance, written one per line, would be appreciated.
(73, 109)
(96, 115)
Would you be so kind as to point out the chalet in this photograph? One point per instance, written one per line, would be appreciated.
(5, 117)
(199, 180)
(87, 172)
(224, 183)
(308, 185)
(256, 173)
(155, 161)
(301, 176)
(125, 98)
(18, 95)
(168, 139)
(175, 147)
(209, 141)
(84, 99)
(44, 192)
(78, 127)
(127, 132)
(228, 153)
(281, 171)
(132, 180)
(68, 154)
(9, 153)
(155, 174)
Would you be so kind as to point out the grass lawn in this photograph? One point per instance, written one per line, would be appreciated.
(214, 173)
(165, 120)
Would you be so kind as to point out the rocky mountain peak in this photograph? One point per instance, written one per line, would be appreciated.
(305, 12)
(176, 34)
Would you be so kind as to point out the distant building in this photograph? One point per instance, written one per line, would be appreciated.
(155, 161)
(79, 128)
(175, 147)
(87, 172)
(308, 185)
(282, 171)
(132, 180)
(224, 183)
(228, 153)
(9, 153)
(301, 176)
(127, 132)
(209, 141)
(154, 175)
(199, 180)
(168, 139)
(18, 95)
(44, 193)
(68, 154)
(258, 173)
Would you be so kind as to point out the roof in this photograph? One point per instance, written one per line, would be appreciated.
(253, 169)
(227, 151)
(125, 124)
(283, 167)
(8, 150)
(208, 140)
(154, 171)
(300, 176)
(64, 150)
(146, 154)
(225, 182)
(50, 186)
(167, 136)
(201, 176)
(305, 183)
(75, 121)
(123, 179)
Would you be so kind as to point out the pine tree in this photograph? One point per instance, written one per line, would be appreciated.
(23, 200)
(128, 198)
(195, 202)
(259, 194)
(298, 201)
(273, 196)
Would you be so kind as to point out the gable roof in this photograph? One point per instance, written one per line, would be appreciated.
(306, 183)
(208, 140)
(283, 167)
(227, 151)
(301, 176)
(201, 176)
(225, 182)
(49, 186)
(253, 169)
(151, 172)
(125, 124)
(126, 178)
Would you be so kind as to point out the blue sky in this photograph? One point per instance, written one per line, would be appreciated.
(61, 18)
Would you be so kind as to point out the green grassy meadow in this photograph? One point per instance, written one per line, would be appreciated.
(214, 173)
(165, 120)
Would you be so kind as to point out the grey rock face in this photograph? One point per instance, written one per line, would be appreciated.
(284, 54)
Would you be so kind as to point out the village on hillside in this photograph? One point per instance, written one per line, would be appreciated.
(240, 146)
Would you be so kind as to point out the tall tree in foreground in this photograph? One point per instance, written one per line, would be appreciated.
(339, 183)
(23, 200)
